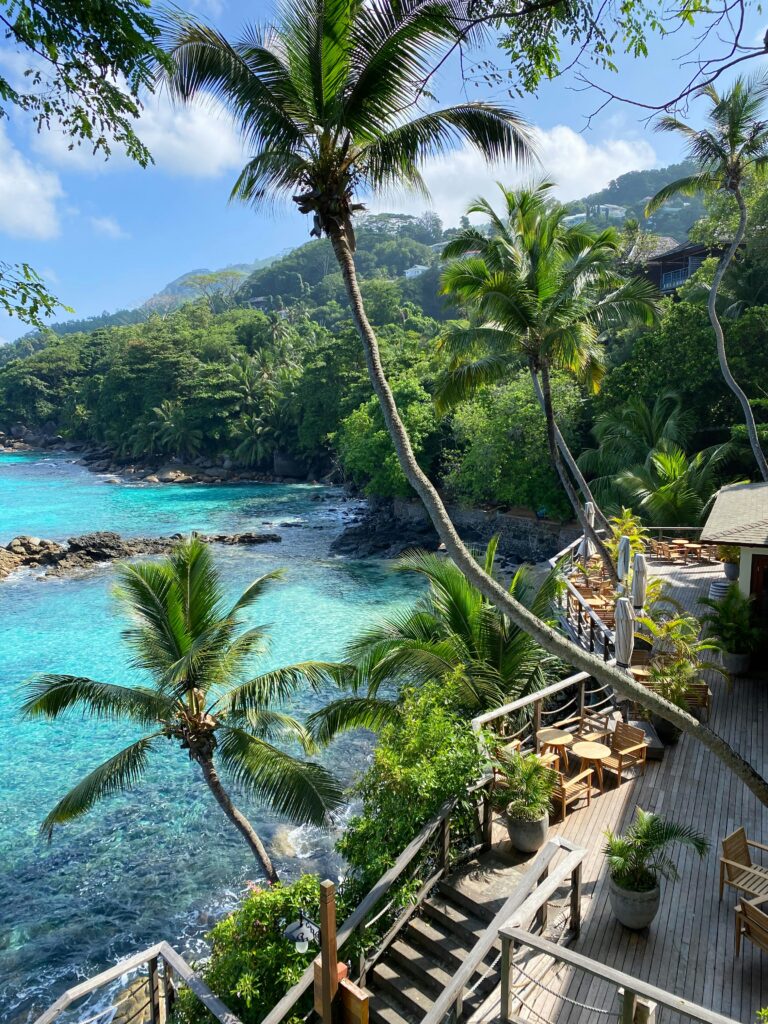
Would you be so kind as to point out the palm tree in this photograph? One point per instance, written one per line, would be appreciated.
(452, 632)
(189, 639)
(733, 147)
(672, 488)
(323, 99)
(639, 858)
(627, 435)
(543, 292)
(173, 429)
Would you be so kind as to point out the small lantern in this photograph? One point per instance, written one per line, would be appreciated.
(302, 932)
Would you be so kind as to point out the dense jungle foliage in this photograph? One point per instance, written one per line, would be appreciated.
(276, 367)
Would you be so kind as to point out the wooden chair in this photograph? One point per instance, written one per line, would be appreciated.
(594, 727)
(628, 750)
(737, 869)
(698, 697)
(752, 922)
(568, 791)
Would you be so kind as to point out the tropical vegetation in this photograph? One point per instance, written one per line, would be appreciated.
(639, 858)
(203, 700)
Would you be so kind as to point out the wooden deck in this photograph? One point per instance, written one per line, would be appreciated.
(688, 950)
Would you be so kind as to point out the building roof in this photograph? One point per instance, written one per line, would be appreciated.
(739, 516)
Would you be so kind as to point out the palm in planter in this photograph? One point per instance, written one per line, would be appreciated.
(202, 701)
(730, 621)
(639, 859)
(729, 555)
(524, 790)
(672, 680)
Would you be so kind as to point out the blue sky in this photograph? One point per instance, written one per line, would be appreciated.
(108, 235)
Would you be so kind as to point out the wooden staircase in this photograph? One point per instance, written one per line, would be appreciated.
(419, 965)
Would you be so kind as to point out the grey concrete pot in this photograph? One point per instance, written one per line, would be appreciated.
(634, 910)
(731, 570)
(528, 836)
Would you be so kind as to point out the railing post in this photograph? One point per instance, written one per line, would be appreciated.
(579, 621)
(576, 901)
(582, 697)
(487, 836)
(507, 955)
(169, 990)
(541, 913)
(606, 651)
(154, 992)
(591, 634)
(458, 1006)
(445, 842)
(627, 1007)
(536, 724)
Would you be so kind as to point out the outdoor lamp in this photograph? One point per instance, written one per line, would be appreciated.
(302, 932)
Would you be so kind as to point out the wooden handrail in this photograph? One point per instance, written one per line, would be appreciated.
(161, 950)
(358, 916)
(531, 698)
(519, 899)
(515, 934)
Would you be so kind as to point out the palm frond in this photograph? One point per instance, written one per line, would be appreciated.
(348, 713)
(51, 695)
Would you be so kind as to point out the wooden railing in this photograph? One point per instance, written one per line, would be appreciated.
(562, 704)
(432, 850)
(628, 988)
(528, 903)
(164, 968)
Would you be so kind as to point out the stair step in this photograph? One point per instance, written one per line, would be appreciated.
(455, 919)
(447, 947)
(381, 1011)
(398, 984)
(427, 972)
(483, 911)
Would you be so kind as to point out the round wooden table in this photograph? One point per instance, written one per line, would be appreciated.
(557, 740)
(591, 755)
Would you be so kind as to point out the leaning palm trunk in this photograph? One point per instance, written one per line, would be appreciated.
(557, 462)
(237, 818)
(551, 640)
(569, 460)
(730, 380)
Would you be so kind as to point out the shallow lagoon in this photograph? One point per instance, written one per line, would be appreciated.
(162, 862)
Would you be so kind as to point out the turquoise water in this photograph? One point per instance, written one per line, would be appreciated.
(161, 862)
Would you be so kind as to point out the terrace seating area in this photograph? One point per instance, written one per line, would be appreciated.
(690, 949)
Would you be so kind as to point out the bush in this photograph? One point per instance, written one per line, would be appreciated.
(429, 756)
(252, 965)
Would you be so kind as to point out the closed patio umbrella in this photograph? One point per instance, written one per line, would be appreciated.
(624, 633)
(639, 580)
(622, 562)
(586, 549)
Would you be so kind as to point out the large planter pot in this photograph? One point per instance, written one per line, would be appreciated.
(731, 570)
(634, 910)
(668, 733)
(736, 664)
(528, 836)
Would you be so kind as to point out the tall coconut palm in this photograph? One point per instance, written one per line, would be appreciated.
(189, 639)
(453, 631)
(542, 292)
(629, 434)
(326, 101)
(732, 147)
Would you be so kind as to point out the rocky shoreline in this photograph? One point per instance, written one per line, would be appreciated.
(79, 554)
(152, 469)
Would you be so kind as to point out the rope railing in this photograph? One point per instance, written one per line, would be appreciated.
(628, 988)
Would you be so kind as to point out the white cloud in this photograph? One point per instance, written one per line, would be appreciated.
(195, 140)
(566, 157)
(107, 226)
(28, 195)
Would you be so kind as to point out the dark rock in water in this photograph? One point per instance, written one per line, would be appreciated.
(379, 534)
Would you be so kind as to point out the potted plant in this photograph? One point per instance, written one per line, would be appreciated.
(524, 791)
(672, 681)
(638, 860)
(729, 555)
(730, 621)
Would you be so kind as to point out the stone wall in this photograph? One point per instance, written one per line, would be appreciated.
(521, 537)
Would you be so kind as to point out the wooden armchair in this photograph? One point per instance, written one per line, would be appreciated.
(752, 922)
(628, 750)
(737, 869)
(568, 791)
(594, 727)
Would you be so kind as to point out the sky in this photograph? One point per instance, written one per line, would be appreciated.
(107, 235)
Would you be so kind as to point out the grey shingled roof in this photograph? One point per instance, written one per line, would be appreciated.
(739, 516)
